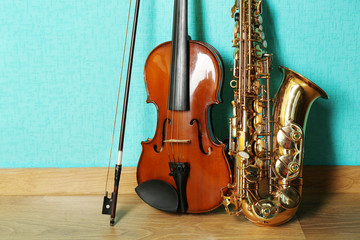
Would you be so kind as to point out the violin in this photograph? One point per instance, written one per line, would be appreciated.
(182, 168)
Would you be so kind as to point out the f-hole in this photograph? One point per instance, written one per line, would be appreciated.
(200, 137)
(163, 136)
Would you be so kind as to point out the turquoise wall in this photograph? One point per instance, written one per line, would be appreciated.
(60, 65)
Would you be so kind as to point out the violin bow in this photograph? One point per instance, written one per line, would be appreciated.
(109, 204)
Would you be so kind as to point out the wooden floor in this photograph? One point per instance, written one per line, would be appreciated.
(322, 215)
(78, 217)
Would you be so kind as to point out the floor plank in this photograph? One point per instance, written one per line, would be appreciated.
(91, 181)
(79, 217)
(66, 204)
(330, 216)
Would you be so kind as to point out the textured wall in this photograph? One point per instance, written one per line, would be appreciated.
(60, 64)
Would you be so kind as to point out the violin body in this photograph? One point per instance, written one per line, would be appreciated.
(185, 136)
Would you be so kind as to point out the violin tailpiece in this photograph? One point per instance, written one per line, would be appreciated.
(180, 172)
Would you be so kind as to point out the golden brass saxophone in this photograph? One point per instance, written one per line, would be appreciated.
(267, 150)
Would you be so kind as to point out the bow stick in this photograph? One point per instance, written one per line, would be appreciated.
(109, 204)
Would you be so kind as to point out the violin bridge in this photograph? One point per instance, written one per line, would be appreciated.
(177, 141)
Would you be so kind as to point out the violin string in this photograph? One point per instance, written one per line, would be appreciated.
(173, 95)
(166, 131)
(185, 111)
(118, 94)
(188, 79)
(182, 117)
(180, 112)
(177, 134)
(183, 132)
(167, 121)
(170, 121)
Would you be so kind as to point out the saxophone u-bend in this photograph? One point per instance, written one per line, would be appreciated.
(267, 149)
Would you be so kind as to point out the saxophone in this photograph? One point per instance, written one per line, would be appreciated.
(267, 150)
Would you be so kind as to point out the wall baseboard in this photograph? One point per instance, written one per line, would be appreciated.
(91, 181)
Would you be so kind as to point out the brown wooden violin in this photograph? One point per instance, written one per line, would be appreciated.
(182, 168)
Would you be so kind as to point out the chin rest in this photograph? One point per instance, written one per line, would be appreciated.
(159, 194)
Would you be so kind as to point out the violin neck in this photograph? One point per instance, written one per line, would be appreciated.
(179, 99)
